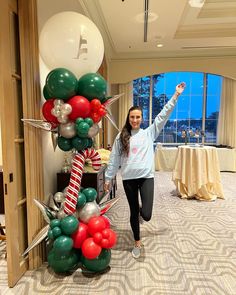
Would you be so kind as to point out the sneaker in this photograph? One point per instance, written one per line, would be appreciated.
(136, 251)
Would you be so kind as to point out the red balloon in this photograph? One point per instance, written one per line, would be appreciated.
(95, 117)
(96, 224)
(105, 243)
(106, 233)
(46, 110)
(95, 104)
(90, 249)
(97, 237)
(109, 238)
(80, 235)
(102, 111)
(106, 221)
(80, 107)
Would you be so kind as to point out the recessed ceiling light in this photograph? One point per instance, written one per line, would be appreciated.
(159, 45)
(196, 3)
(151, 17)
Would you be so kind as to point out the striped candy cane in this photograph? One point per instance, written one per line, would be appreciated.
(76, 175)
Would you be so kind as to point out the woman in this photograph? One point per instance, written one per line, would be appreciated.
(133, 152)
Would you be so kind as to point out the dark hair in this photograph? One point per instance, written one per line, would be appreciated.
(126, 132)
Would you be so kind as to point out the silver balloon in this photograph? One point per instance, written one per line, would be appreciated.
(42, 207)
(112, 99)
(51, 203)
(66, 109)
(93, 131)
(67, 130)
(38, 124)
(65, 190)
(58, 102)
(89, 210)
(38, 239)
(110, 117)
(61, 214)
(63, 119)
(59, 197)
(55, 112)
(57, 107)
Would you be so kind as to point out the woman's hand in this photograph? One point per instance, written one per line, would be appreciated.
(180, 88)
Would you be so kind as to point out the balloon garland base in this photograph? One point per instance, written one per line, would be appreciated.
(67, 263)
(82, 242)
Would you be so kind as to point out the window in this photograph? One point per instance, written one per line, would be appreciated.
(197, 108)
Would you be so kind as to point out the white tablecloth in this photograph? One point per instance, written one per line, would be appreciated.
(197, 174)
(165, 158)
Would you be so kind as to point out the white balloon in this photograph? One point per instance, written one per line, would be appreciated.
(66, 109)
(58, 102)
(71, 40)
(55, 112)
(62, 118)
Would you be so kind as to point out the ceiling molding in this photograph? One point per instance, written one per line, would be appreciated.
(93, 10)
(218, 10)
(184, 31)
(207, 47)
(206, 31)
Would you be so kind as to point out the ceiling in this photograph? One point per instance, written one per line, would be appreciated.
(183, 30)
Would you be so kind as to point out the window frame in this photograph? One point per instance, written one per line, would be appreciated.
(204, 108)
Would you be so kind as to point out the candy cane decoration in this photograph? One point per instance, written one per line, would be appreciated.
(76, 175)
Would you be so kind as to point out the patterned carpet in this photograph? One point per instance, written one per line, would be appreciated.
(190, 249)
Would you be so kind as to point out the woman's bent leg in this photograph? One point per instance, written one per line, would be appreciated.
(146, 193)
(131, 191)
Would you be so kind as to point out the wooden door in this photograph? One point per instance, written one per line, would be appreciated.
(22, 161)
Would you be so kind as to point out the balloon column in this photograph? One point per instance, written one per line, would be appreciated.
(74, 107)
(71, 46)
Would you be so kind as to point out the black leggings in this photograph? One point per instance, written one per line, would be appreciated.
(146, 188)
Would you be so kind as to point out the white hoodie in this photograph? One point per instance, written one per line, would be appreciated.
(140, 161)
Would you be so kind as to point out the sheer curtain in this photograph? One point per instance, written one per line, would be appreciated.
(125, 102)
(226, 129)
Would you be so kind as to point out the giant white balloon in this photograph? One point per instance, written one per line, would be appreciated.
(71, 40)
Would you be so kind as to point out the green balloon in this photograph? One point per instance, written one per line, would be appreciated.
(54, 223)
(82, 129)
(50, 234)
(61, 83)
(45, 93)
(62, 244)
(89, 142)
(78, 143)
(81, 201)
(90, 193)
(63, 263)
(64, 144)
(79, 120)
(89, 121)
(100, 263)
(56, 231)
(69, 224)
(92, 86)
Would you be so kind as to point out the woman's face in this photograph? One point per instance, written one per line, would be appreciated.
(135, 119)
